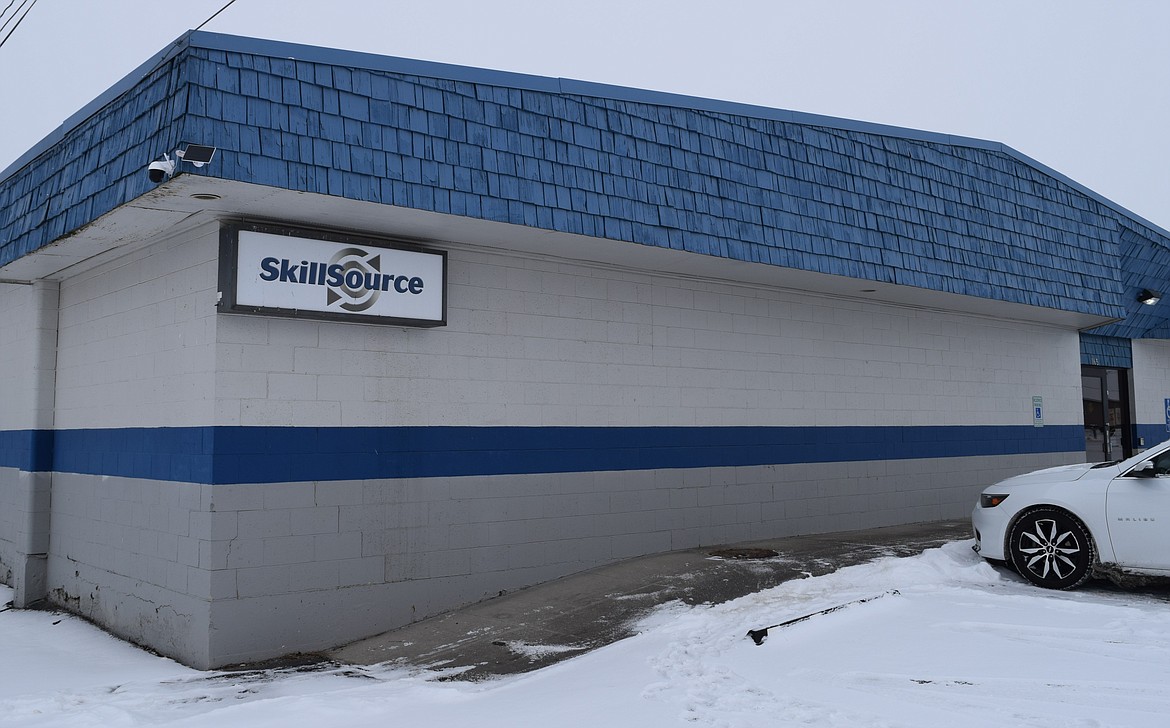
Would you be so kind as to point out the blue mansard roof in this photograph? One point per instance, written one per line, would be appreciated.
(758, 185)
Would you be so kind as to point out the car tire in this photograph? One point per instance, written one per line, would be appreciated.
(1051, 548)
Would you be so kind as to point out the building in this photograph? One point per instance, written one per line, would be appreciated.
(393, 336)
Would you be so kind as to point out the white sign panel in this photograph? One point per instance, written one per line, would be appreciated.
(350, 279)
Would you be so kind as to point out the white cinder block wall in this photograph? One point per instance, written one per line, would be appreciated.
(539, 342)
(1151, 383)
(534, 342)
(137, 349)
(226, 573)
(18, 344)
(137, 337)
(28, 341)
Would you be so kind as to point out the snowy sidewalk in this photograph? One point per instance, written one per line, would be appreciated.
(539, 626)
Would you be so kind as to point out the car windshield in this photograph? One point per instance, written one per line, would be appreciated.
(1105, 465)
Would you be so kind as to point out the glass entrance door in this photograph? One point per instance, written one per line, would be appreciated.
(1107, 420)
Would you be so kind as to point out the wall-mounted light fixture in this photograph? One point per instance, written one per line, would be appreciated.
(1148, 297)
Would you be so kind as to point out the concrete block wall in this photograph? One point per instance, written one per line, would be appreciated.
(340, 560)
(534, 342)
(23, 345)
(125, 552)
(137, 337)
(28, 357)
(18, 413)
(10, 520)
(1151, 388)
(214, 574)
(537, 342)
(136, 349)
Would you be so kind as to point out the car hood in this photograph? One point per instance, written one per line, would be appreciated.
(1061, 473)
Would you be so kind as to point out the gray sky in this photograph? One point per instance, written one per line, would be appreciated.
(1082, 86)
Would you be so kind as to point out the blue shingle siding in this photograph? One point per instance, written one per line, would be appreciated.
(1144, 263)
(96, 166)
(1106, 351)
(868, 206)
(869, 203)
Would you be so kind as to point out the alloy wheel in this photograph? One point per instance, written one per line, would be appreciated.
(1051, 548)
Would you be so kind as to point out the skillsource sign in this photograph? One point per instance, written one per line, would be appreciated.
(284, 274)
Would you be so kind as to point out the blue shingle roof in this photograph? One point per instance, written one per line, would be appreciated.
(714, 178)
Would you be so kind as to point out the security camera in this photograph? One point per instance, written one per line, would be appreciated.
(159, 170)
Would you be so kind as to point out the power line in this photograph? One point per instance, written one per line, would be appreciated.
(31, 3)
(217, 12)
(5, 11)
(16, 12)
(16, 25)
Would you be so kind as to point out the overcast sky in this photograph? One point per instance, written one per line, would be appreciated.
(1080, 85)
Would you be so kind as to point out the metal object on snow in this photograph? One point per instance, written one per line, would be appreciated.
(759, 635)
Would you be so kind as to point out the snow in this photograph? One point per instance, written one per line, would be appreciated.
(961, 643)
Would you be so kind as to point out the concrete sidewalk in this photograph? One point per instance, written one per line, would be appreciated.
(600, 606)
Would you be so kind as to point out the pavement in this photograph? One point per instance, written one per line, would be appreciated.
(505, 635)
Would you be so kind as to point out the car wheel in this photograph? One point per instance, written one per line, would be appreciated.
(1051, 548)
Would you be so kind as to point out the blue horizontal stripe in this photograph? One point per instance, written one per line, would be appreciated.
(1152, 434)
(30, 450)
(225, 455)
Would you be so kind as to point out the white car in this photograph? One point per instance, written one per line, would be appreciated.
(1059, 526)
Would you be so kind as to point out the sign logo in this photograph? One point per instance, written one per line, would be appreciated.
(359, 267)
(294, 276)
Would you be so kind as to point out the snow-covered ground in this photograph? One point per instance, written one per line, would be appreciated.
(960, 644)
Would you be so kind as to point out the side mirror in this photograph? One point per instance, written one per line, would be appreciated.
(1144, 470)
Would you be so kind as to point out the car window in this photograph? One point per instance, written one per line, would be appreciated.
(1161, 467)
(1162, 464)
